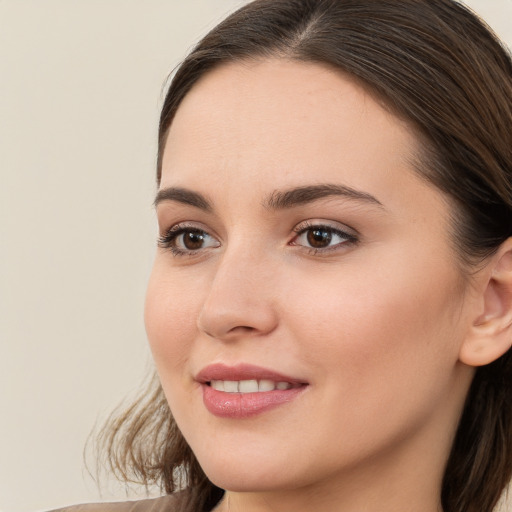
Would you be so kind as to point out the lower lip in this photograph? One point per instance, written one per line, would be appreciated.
(245, 405)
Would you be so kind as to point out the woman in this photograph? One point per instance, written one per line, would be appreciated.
(330, 307)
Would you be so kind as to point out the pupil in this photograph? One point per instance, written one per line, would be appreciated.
(319, 238)
(193, 240)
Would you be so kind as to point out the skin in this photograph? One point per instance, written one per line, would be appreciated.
(375, 327)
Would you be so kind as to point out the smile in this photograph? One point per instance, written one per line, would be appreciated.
(250, 386)
(243, 391)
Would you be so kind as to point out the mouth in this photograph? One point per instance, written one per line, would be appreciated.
(251, 386)
(243, 391)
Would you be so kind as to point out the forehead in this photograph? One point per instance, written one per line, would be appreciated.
(280, 120)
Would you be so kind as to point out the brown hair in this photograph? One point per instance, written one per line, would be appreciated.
(437, 65)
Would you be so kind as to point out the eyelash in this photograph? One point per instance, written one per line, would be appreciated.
(169, 239)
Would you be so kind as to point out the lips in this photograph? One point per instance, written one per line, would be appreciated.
(245, 390)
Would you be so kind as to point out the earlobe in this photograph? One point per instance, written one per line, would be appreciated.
(490, 335)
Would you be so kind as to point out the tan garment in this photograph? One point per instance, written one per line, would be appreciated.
(163, 504)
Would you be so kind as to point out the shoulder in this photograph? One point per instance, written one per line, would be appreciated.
(163, 504)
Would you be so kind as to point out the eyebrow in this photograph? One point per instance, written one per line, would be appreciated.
(277, 200)
(184, 196)
(280, 200)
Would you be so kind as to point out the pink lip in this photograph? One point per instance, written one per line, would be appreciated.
(244, 405)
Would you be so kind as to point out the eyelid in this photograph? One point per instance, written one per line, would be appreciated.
(329, 224)
(176, 226)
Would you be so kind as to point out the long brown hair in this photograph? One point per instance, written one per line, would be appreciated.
(434, 63)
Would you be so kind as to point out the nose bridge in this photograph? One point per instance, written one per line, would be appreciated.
(240, 298)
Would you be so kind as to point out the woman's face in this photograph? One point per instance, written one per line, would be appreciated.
(305, 310)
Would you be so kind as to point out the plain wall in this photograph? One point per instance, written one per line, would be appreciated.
(80, 91)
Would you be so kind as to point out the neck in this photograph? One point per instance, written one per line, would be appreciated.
(350, 497)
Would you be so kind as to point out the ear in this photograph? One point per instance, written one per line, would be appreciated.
(490, 334)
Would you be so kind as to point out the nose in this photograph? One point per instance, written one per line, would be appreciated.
(241, 300)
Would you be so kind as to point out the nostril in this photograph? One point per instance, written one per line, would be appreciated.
(243, 328)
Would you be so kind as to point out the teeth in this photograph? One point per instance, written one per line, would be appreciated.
(266, 385)
(231, 386)
(217, 384)
(248, 386)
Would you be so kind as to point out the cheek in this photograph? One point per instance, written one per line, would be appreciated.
(169, 315)
(389, 330)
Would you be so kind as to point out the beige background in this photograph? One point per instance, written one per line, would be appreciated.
(80, 89)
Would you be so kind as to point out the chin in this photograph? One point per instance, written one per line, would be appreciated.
(243, 477)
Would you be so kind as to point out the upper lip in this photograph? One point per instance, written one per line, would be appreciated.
(242, 371)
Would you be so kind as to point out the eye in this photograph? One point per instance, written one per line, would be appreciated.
(183, 240)
(322, 237)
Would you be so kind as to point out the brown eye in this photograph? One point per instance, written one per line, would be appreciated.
(319, 238)
(193, 240)
(184, 240)
(322, 238)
